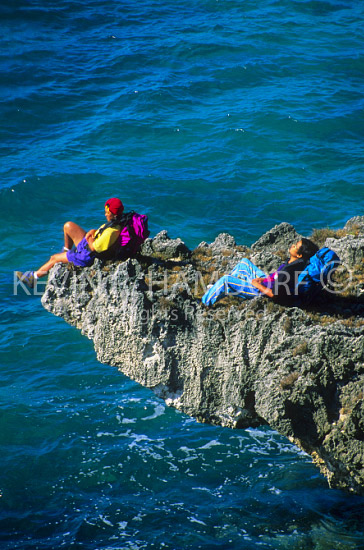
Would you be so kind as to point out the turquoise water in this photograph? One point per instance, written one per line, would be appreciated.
(209, 116)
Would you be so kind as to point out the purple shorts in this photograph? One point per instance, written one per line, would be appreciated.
(82, 256)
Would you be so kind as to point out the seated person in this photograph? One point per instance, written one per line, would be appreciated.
(248, 281)
(88, 245)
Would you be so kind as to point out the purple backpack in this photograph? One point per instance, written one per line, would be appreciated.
(133, 234)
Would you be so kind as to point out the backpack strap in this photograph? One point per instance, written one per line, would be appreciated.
(112, 223)
(129, 219)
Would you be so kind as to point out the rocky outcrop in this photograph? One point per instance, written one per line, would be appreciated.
(238, 364)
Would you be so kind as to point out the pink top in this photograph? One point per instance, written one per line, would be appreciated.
(269, 281)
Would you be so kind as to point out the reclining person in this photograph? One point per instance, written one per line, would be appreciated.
(88, 245)
(248, 281)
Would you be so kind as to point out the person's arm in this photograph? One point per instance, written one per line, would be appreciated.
(90, 237)
(263, 289)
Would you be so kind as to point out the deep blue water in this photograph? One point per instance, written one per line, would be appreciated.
(209, 116)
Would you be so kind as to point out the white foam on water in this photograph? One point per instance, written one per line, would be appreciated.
(195, 520)
(158, 411)
(210, 444)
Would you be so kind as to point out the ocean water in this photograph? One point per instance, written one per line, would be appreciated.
(209, 116)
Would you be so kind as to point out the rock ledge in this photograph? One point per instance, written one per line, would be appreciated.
(238, 364)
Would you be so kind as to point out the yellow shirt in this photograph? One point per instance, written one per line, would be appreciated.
(106, 239)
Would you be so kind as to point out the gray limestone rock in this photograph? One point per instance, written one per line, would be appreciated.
(166, 247)
(238, 364)
(355, 223)
(280, 237)
(350, 249)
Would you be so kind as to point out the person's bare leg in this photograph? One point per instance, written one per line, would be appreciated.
(73, 234)
(61, 257)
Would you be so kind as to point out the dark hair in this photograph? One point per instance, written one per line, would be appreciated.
(307, 248)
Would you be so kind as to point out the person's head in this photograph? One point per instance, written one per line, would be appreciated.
(304, 249)
(114, 209)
